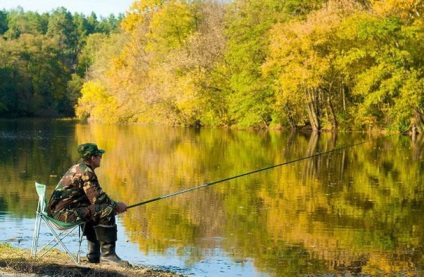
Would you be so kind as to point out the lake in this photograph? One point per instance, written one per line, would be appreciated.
(278, 203)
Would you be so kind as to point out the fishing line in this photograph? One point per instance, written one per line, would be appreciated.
(244, 174)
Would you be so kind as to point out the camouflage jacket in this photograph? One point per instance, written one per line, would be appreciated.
(79, 187)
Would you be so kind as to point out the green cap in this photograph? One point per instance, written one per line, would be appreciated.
(87, 150)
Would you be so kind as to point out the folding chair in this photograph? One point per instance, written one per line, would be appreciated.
(60, 230)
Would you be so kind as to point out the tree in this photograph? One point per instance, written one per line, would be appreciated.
(158, 54)
(302, 59)
(20, 22)
(3, 22)
(8, 90)
(62, 28)
(384, 67)
(38, 58)
(247, 27)
(101, 57)
(96, 103)
(207, 65)
(109, 24)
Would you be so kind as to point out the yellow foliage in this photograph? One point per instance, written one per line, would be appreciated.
(301, 56)
(131, 21)
(300, 50)
(96, 103)
(137, 13)
(399, 8)
(169, 27)
(187, 99)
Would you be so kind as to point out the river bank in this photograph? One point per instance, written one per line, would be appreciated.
(18, 262)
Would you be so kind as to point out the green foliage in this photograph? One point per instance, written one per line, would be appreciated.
(3, 22)
(40, 54)
(170, 26)
(264, 63)
(320, 64)
(380, 66)
(73, 93)
(8, 91)
(247, 24)
(252, 99)
(20, 22)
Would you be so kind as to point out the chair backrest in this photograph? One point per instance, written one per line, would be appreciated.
(41, 191)
(41, 209)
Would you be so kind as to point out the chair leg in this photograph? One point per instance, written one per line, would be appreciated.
(35, 236)
(57, 239)
(80, 238)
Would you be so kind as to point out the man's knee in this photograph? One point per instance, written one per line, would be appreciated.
(104, 214)
(68, 216)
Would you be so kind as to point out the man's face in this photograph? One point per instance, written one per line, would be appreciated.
(96, 160)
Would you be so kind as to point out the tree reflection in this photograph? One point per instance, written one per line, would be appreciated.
(355, 210)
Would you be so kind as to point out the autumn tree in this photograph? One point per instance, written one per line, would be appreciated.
(206, 50)
(302, 59)
(382, 65)
(161, 74)
(247, 27)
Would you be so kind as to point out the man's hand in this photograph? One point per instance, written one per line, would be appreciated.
(120, 207)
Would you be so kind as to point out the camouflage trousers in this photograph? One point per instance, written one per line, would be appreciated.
(95, 214)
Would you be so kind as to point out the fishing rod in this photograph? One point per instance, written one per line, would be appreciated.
(241, 175)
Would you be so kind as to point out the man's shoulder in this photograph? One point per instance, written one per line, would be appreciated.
(81, 168)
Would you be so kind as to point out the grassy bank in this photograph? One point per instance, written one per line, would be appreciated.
(17, 261)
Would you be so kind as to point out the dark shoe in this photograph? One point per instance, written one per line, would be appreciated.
(113, 259)
(93, 260)
(107, 236)
(93, 255)
(93, 244)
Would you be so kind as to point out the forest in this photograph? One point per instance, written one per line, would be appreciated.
(43, 61)
(345, 65)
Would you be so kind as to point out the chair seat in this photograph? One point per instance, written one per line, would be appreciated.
(60, 225)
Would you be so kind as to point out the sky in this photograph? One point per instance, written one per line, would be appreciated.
(102, 8)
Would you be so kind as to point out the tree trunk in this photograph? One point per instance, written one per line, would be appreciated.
(290, 118)
(417, 123)
(312, 107)
(332, 119)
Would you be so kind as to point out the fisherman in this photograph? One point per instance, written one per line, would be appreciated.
(78, 197)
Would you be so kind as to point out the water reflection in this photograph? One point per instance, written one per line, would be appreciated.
(353, 210)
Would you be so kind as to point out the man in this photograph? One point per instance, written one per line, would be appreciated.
(79, 197)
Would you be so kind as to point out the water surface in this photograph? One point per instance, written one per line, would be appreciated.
(355, 209)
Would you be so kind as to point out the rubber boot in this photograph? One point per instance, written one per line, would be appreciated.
(93, 244)
(93, 255)
(107, 235)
